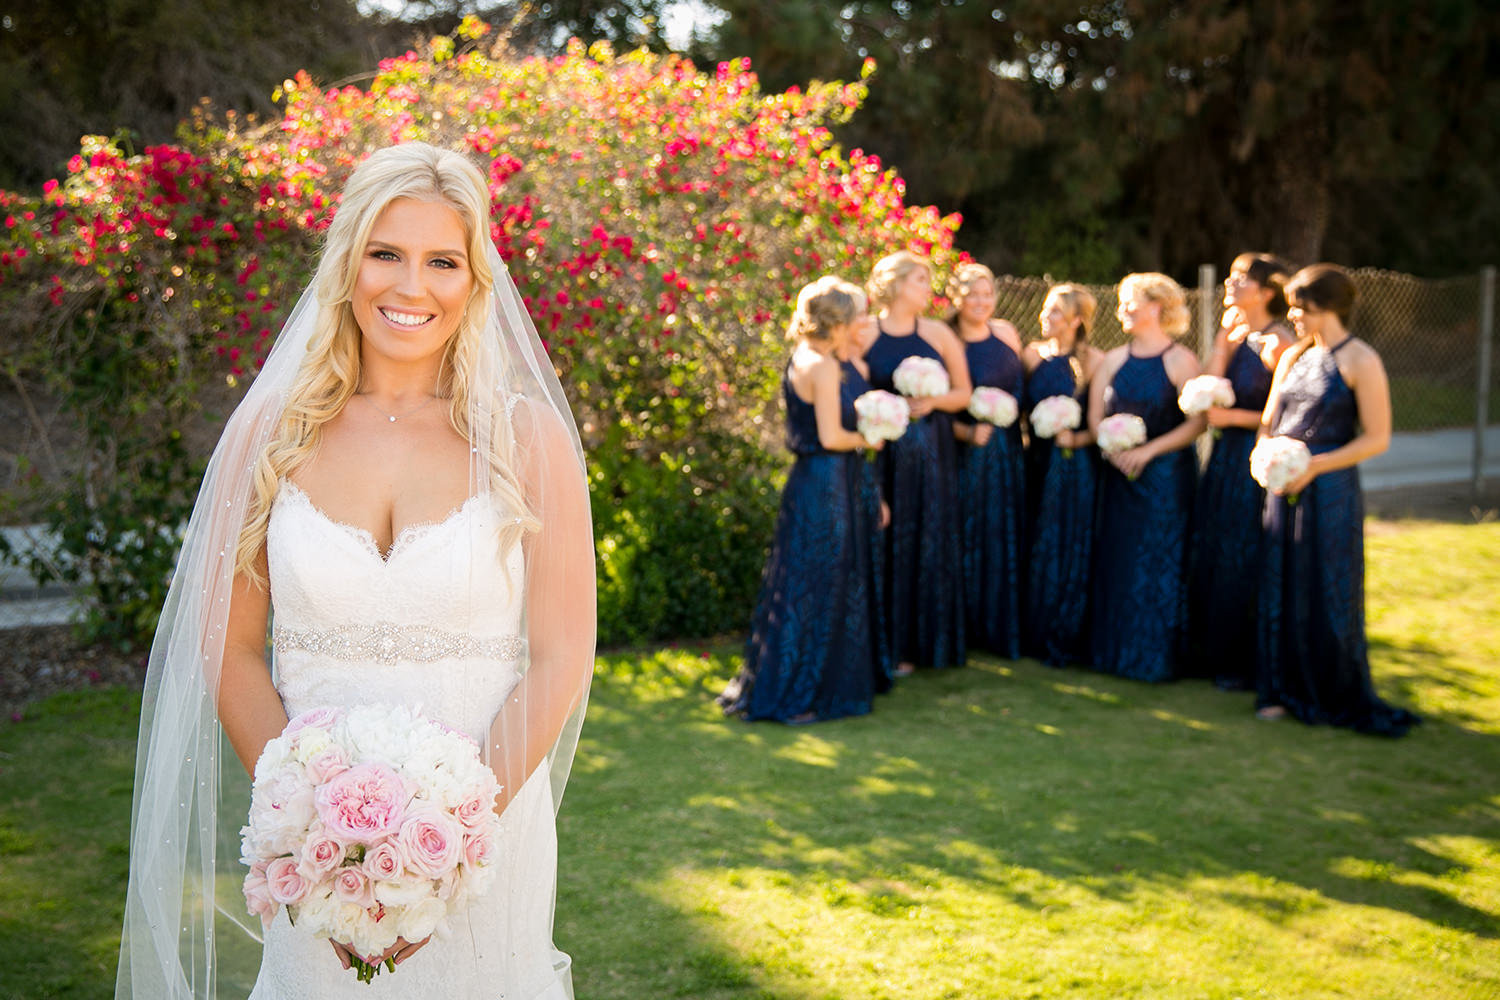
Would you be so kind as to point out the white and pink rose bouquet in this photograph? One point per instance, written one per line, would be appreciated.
(1121, 432)
(1199, 394)
(920, 377)
(369, 824)
(993, 406)
(1055, 413)
(1277, 462)
(881, 415)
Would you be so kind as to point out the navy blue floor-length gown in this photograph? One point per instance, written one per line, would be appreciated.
(1063, 488)
(1224, 568)
(817, 646)
(1140, 568)
(992, 507)
(1314, 658)
(924, 565)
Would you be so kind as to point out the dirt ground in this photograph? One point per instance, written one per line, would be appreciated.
(36, 662)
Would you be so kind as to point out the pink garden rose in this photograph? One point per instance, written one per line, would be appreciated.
(320, 854)
(431, 841)
(473, 811)
(327, 765)
(479, 849)
(258, 894)
(351, 885)
(383, 863)
(363, 804)
(284, 883)
(321, 718)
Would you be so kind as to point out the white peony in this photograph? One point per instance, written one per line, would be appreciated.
(1199, 394)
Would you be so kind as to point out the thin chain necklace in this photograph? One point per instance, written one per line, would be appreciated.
(367, 398)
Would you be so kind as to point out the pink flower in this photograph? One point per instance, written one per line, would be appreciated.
(479, 849)
(320, 855)
(351, 885)
(284, 883)
(364, 803)
(431, 841)
(326, 765)
(383, 863)
(473, 811)
(258, 894)
(322, 718)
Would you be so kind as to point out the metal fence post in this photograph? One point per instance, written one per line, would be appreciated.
(1207, 281)
(1482, 396)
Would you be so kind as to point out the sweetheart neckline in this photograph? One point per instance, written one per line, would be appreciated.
(417, 529)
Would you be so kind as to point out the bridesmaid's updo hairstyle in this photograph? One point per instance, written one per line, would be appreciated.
(1160, 289)
(890, 271)
(962, 281)
(1327, 287)
(1079, 303)
(1267, 272)
(823, 305)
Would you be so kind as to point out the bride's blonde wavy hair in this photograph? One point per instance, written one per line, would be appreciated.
(331, 372)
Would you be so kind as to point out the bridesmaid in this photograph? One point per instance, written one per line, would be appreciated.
(1062, 474)
(1226, 547)
(817, 640)
(1146, 492)
(1330, 392)
(924, 571)
(991, 471)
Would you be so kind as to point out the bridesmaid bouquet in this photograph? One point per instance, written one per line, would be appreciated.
(369, 824)
(1277, 461)
(882, 416)
(919, 377)
(993, 406)
(1055, 413)
(1200, 394)
(1121, 432)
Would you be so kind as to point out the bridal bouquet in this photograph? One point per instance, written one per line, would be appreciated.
(369, 824)
(1205, 391)
(1277, 461)
(919, 377)
(1055, 413)
(882, 416)
(1121, 432)
(994, 406)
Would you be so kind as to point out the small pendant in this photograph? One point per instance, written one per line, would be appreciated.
(393, 420)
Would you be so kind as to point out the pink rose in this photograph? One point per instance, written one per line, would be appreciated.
(364, 803)
(474, 810)
(479, 850)
(383, 863)
(258, 894)
(326, 765)
(284, 883)
(431, 841)
(351, 885)
(321, 718)
(320, 855)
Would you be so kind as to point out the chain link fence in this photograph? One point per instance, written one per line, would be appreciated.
(1427, 333)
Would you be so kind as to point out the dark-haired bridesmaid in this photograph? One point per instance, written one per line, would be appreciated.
(1330, 392)
(1062, 474)
(924, 567)
(991, 470)
(1145, 492)
(1226, 546)
(817, 639)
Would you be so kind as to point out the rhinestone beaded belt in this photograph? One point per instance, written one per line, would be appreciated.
(389, 644)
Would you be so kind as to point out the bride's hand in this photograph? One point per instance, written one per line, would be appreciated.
(400, 951)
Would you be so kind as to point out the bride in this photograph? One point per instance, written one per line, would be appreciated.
(397, 513)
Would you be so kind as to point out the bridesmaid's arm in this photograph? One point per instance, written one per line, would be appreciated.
(832, 434)
(560, 607)
(951, 349)
(1273, 398)
(1365, 374)
(1092, 362)
(249, 709)
(1102, 378)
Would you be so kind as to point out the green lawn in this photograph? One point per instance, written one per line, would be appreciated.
(1001, 831)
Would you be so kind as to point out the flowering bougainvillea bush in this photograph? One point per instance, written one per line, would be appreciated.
(657, 218)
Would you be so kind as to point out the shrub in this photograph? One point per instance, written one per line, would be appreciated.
(657, 219)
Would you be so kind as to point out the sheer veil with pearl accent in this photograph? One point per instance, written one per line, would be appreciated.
(187, 933)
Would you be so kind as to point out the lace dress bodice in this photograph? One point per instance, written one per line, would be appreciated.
(434, 623)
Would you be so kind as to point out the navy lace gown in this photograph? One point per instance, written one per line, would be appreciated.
(992, 507)
(817, 646)
(924, 565)
(1063, 489)
(1314, 660)
(1224, 568)
(1140, 567)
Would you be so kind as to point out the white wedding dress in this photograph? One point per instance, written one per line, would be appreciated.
(428, 625)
